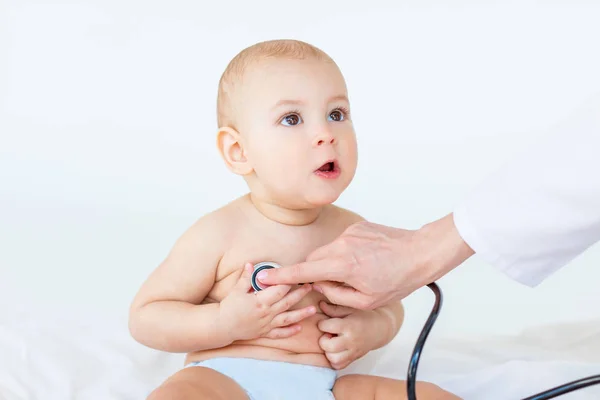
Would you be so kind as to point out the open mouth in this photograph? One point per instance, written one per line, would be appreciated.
(327, 167)
(328, 170)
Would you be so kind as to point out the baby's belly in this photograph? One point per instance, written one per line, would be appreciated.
(305, 341)
(303, 347)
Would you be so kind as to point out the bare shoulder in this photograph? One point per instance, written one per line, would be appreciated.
(210, 236)
(216, 227)
(342, 218)
(187, 273)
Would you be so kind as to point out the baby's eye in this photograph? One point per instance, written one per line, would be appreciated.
(291, 120)
(336, 115)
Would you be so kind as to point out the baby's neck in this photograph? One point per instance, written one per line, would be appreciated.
(284, 215)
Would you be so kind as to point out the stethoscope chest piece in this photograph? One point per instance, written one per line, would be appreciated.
(259, 267)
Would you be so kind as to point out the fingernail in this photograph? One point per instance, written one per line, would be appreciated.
(261, 275)
(318, 289)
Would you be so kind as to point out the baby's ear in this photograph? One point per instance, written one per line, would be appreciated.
(232, 150)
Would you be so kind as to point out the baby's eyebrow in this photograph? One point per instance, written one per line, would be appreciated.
(341, 97)
(289, 102)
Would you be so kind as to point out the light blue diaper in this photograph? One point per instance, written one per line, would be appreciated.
(275, 380)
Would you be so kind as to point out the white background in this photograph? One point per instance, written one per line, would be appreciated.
(107, 124)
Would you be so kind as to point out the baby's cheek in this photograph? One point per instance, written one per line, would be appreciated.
(283, 171)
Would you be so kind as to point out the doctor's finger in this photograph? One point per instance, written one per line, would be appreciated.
(335, 310)
(306, 272)
(344, 295)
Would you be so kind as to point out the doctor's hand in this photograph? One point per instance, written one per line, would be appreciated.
(370, 265)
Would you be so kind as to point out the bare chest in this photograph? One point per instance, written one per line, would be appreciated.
(284, 247)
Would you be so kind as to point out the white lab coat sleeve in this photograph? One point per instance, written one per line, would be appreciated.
(542, 209)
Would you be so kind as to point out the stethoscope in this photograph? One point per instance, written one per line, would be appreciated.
(257, 268)
(411, 377)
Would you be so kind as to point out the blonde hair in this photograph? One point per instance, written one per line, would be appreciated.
(283, 48)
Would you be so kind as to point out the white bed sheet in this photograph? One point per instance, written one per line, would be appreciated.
(74, 355)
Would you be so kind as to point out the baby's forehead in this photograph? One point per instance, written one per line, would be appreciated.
(274, 70)
(273, 66)
(290, 79)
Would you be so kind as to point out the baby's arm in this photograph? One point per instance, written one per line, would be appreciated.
(166, 313)
(391, 317)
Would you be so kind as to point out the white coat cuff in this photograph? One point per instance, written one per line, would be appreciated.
(469, 233)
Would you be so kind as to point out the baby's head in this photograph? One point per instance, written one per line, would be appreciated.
(284, 124)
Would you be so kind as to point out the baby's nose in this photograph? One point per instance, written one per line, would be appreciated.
(324, 138)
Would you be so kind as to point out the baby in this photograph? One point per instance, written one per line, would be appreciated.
(285, 127)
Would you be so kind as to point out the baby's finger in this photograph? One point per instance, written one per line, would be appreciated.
(244, 282)
(332, 344)
(338, 360)
(283, 332)
(292, 298)
(294, 316)
(272, 294)
(331, 325)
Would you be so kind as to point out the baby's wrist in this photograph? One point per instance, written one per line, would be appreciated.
(225, 327)
(386, 326)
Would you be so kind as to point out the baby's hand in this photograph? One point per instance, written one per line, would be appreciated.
(247, 315)
(348, 334)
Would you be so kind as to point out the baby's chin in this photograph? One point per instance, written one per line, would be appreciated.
(310, 201)
(309, 198)
(323, 197)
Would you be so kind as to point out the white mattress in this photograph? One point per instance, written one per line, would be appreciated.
(71, 355)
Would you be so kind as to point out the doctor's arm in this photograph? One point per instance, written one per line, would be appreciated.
(542, 209)
(528, 219)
